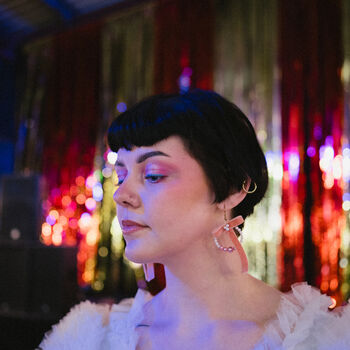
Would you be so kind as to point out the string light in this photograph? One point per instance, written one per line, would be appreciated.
(68, 223)
(184, 80)
(293, 165)
(121, 107)
(112, 157)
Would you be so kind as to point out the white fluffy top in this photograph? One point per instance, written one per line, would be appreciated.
(303, 322)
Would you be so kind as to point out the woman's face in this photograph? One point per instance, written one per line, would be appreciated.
(164, 203)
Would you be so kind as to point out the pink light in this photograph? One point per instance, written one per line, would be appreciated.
(293, 165)
(337, 167)
(90, 181)
(50, 220)
(90, 204)
(311, 151)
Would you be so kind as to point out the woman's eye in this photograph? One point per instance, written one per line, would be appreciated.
(154, 178)
(119, 182)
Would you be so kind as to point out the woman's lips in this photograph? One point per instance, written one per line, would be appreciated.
(129, 226)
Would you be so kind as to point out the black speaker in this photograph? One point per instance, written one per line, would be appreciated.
(37, 279)
(21, 208)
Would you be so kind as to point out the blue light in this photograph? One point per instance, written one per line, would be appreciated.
(121, 107)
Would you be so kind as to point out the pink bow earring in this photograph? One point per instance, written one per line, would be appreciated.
(230, 227)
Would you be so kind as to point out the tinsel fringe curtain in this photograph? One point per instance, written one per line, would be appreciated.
(310, 55)
(232, 47)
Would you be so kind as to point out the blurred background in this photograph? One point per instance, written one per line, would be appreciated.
(68, 67)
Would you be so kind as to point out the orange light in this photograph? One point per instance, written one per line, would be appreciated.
(73, 190)
(46, 240)
(63, 220)
(54, 214)
(298, 262)
(324, 286)
(80, 199)
(69, 212)
(73, 223)
(80, 181)
(88, 276)
(334, 284)
(56, 239)
(91, 237)
(57, 229)
(88, 192)
(66, 200)
(81, 256)
(46, 229)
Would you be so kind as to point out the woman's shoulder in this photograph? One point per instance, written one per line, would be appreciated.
(95, 326)
(304, 321)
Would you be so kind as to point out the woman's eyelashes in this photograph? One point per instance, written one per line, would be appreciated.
(154, 178)
(119, 182)
(150, 178)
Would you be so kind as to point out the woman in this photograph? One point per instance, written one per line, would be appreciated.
(190, 171)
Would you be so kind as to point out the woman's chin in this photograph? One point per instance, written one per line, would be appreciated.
(135, 255)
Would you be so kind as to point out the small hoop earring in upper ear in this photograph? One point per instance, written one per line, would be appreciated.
(247, 190)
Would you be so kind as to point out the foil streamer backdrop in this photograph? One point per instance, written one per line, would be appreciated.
(167, 45)
(245, 73)
(183, 43)
(37, 59)
(127, 77)
(345, 260)
(72, 109)
(57, 134)
(310, 53)
(183, 39)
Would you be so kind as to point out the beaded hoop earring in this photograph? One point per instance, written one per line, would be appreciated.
(231, 227)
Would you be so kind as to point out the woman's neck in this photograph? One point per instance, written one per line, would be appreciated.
(210, 283)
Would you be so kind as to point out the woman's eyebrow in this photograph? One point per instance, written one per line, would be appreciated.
(144, 156)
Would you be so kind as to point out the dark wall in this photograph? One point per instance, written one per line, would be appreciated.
(7, 112)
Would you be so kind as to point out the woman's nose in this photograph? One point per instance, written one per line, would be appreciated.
(126, 196)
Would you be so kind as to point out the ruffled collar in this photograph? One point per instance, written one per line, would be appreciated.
(303, 321)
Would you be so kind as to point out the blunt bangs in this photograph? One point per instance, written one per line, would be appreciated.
(153, 120)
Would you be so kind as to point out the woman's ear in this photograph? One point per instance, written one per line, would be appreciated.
(235, 198)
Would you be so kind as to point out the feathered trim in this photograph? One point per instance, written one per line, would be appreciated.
(304, 322)
(84, 327)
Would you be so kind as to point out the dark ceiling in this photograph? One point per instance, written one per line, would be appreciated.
(23, 19)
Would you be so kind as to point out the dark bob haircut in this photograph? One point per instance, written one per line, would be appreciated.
(214, 131)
